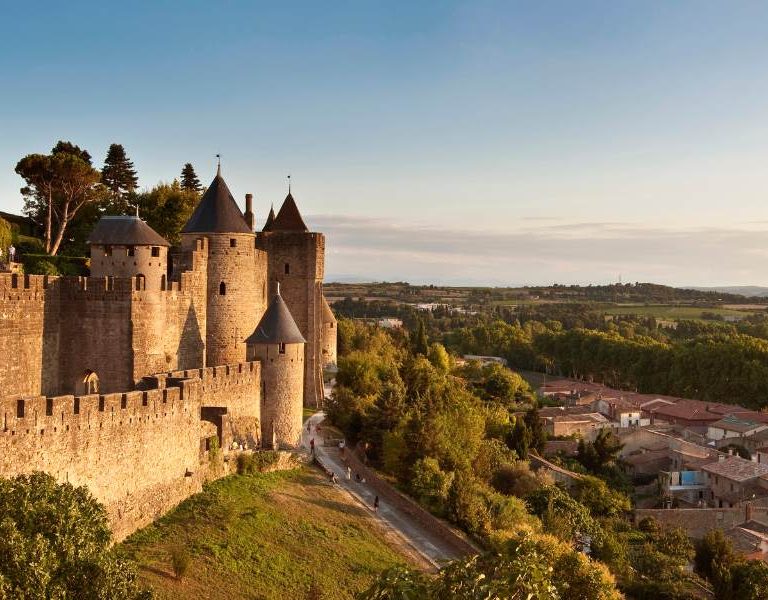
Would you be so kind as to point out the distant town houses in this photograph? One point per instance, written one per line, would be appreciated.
(707, 462)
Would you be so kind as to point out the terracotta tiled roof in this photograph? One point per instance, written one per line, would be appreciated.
(733, 423)
(736, 468)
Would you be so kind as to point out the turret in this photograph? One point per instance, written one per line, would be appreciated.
(236, 273)
(125, 246)
(278, 344)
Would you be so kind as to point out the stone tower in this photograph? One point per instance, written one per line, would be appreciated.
(278, 344)
(296, 261)
(328, 335)
(236, 273)
(126, 246)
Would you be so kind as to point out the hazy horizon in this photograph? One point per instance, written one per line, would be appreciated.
(462, 142)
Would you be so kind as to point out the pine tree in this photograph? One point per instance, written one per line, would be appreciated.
(189, 180)
(119, 176)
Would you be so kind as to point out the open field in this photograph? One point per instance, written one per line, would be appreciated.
(267, 537)
(672, 312)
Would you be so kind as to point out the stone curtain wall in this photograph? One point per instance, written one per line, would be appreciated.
(29, 357)
(139, 452)
(233, 391)
(168, 327)
(95, 332)
(116, 444)
(53, 329)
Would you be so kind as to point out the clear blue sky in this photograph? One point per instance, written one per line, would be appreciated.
(499, 142)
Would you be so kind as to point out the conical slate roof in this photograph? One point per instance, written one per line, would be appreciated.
(276, 326)
(217, 211)
(328, 316)
(270, 219)
(125, 230)
(289, 218)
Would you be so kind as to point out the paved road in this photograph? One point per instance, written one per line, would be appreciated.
(433, 549)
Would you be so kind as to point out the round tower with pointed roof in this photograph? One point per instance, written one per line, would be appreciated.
(125, 246)
(236, 273)
(278, 344)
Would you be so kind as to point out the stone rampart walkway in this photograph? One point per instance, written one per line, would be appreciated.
(426, 543)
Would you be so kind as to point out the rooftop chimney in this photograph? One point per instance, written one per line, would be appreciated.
(249, 211)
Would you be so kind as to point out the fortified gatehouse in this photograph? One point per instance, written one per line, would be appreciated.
(119, 381)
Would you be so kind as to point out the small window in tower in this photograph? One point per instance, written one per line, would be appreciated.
(287, 269)
(107, 250)
(232, 243)
(155, 251)
(130, 251)
(222, 289)
(281, 348)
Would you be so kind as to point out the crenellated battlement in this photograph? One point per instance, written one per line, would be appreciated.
(41, 415)
(18, 286)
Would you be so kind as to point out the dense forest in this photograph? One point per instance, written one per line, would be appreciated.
(704, 359)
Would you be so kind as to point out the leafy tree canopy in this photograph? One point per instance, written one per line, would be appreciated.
(54, 541)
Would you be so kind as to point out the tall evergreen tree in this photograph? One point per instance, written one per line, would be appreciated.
(420, 342)
(119, 176)
(189, 180)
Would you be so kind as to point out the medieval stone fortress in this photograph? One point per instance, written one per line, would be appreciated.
(126, 381)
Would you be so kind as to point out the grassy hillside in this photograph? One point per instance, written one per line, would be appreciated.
(265, 536)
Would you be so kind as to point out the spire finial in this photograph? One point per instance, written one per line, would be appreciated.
(278, 288)
(218, 167)
(289, 184)
(136, 206)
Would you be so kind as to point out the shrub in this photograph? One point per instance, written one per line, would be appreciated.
(54, 543)
(258, 462)
(517, 479)
(43, 264)
(180, 560)
(429, 484)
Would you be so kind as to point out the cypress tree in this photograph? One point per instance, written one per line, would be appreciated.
(189, 180)
(421, 343)
(119, 176)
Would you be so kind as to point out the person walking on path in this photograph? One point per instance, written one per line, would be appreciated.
(11, 253)
(312, 446)
(376, 504)
(349, 472)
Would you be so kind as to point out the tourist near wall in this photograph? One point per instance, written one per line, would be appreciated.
(447, 534)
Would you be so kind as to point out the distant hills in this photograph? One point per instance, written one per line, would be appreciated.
(754, 291)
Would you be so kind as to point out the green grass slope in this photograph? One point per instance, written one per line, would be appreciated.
(265, 536)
